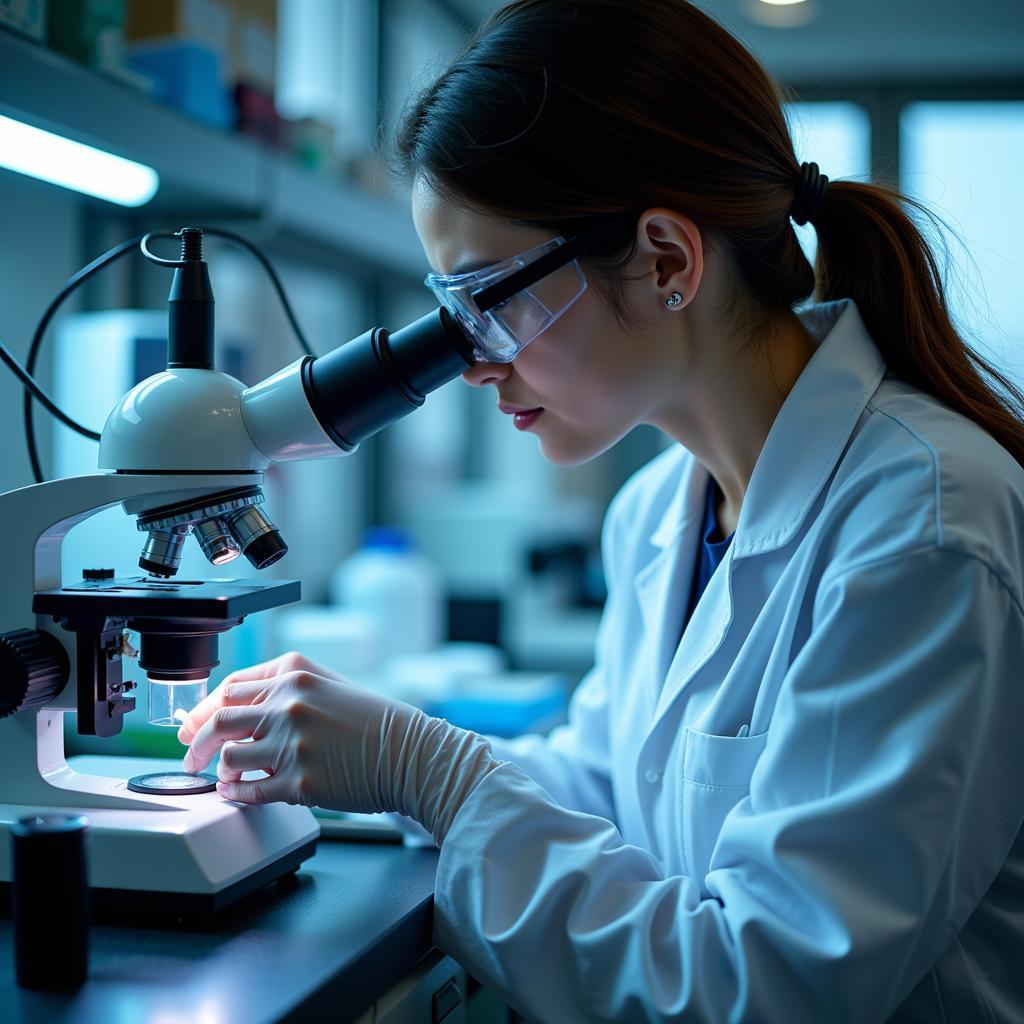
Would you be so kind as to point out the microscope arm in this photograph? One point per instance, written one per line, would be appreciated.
(39, 517)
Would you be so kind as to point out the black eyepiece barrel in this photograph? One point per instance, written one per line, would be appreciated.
(377, 378)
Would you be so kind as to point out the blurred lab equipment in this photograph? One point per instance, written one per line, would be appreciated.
(346, 640)
(499, 592)
(397, 587)
(184, 453)
(471, 686)
(50, 900)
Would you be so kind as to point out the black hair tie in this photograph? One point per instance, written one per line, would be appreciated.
(811, 192)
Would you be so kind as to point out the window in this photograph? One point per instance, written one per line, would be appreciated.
(964, 159)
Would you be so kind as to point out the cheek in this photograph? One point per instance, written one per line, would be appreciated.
(586, 373)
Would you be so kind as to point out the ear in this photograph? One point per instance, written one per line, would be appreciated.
(673, 249)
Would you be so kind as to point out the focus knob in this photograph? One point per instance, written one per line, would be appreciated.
(34, 668)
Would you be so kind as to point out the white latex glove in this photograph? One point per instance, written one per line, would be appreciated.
(326, 742)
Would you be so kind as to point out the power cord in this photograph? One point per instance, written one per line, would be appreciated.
(32, 388)
(72, 283)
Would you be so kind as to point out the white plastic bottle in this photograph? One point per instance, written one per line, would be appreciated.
(387, 580)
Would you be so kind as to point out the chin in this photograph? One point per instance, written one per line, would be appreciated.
(573, 451)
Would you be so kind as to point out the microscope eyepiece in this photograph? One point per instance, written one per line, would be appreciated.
(379, 377)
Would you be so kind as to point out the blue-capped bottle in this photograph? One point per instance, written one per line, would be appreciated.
(403, 591)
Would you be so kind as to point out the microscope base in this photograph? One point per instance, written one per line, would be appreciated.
(119, 904)
(189, 856)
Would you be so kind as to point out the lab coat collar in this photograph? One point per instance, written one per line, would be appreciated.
(805, 441)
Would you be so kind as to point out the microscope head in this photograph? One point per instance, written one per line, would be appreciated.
(194, 419)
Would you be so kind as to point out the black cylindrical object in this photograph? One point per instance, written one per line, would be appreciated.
(266, 549)
(377, 378)
(50, 900)
(175, 653)
(190, 308)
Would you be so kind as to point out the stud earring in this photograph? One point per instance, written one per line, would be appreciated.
(673, 300)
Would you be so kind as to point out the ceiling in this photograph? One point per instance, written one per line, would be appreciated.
(868, 41)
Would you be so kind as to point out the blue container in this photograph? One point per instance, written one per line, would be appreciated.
(187, 76)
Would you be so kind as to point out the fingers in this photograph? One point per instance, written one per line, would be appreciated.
(292, 661)
(226, 695)
(236, 758)
(258, 791)
(226, 723)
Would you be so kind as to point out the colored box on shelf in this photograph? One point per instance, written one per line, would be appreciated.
(257, 116)
(28, 17)
(90, 31)
(253, 56)
(206, 23)
(312, 143)
(188, 77)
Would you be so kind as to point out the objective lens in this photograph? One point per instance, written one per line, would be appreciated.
(216, 542)
(161, 554)
(258, 537)
(170, 700)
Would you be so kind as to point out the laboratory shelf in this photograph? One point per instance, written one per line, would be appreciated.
(216, 174)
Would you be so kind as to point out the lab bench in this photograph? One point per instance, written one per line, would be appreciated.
(347, 938)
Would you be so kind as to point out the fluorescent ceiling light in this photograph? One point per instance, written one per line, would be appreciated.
(781, 13)
(53, 158)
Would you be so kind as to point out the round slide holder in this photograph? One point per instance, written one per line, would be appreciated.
(172, 783)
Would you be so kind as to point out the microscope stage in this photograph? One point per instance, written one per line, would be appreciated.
(151, 598)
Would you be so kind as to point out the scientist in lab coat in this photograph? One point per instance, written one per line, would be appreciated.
(792, 787)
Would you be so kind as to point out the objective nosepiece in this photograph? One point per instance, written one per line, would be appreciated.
(225, 525)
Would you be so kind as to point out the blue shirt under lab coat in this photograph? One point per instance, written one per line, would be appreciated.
(809, 808)
(713, 547)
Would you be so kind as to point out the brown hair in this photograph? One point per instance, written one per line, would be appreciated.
(559, 113)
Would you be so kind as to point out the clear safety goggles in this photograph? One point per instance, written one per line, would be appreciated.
(503, 307)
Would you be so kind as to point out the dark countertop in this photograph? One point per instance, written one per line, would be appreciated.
(322, 944)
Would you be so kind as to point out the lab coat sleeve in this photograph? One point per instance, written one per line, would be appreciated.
(883, 806)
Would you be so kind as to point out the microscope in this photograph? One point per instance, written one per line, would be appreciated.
(184, 453)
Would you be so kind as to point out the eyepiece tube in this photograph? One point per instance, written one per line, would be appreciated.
(377, 378)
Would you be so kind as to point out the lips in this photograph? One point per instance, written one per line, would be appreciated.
(514, 410)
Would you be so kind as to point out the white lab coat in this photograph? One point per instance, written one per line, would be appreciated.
(810, 808)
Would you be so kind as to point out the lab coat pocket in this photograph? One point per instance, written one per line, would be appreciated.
(716, 777)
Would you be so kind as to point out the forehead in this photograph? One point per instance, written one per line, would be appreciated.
(456, 239)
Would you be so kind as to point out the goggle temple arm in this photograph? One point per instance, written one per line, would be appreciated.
(502, 291)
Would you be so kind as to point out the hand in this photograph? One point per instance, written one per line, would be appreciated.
(329, 743)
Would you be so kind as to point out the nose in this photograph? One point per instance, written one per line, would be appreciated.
(481, 374)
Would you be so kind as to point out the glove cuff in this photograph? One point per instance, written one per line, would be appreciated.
(436, 768)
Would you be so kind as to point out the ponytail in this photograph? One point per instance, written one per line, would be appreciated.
(871, 251)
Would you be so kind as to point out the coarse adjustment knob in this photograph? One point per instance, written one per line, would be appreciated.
(34, 668)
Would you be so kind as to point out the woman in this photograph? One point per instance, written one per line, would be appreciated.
(792, 787)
